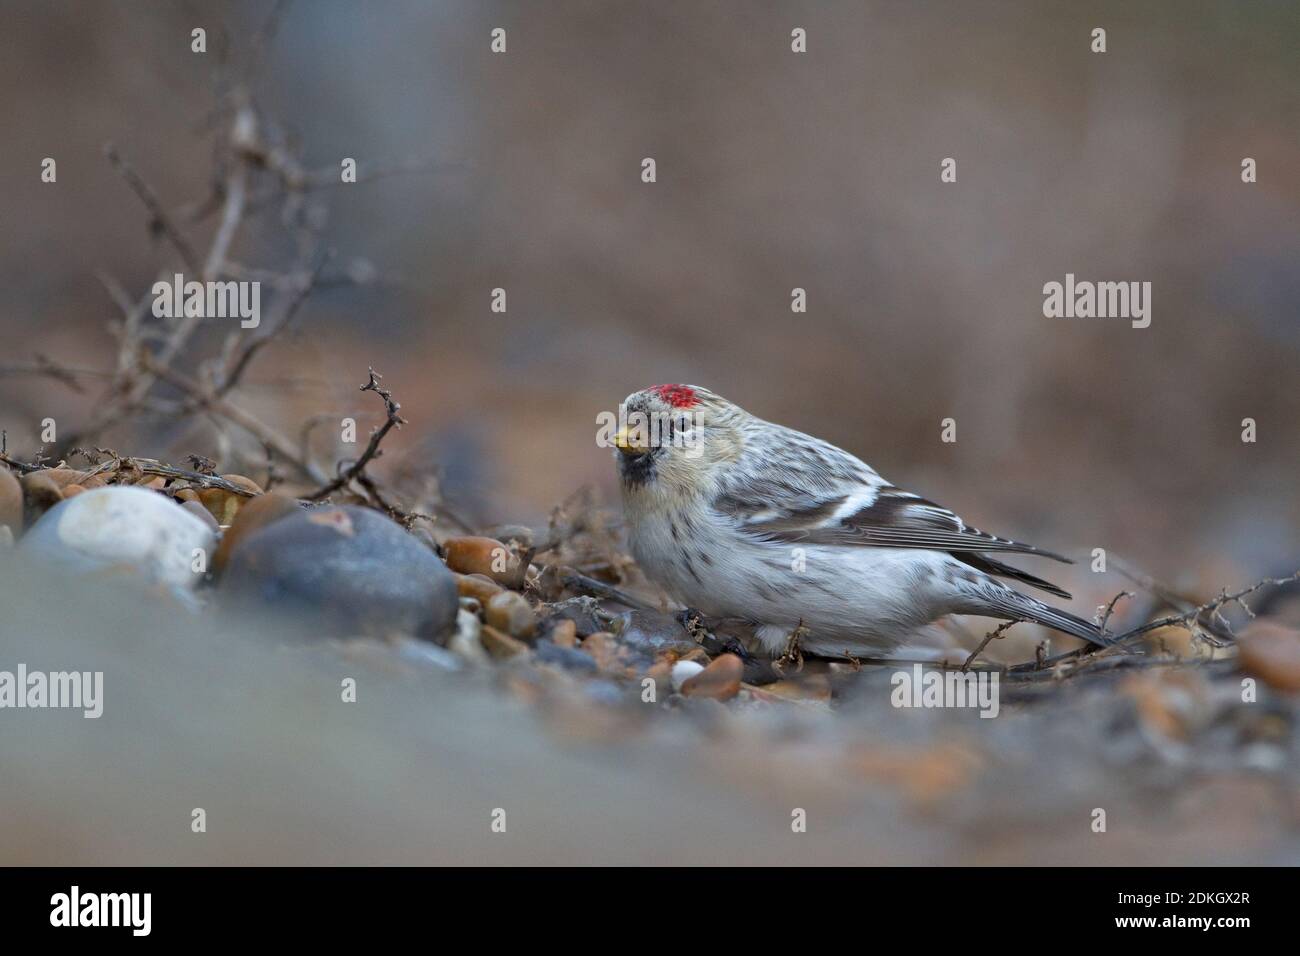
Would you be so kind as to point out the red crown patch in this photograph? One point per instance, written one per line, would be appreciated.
(678, 396)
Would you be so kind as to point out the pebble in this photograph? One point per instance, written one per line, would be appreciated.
(562, 632)
(683, 671)
(65, 476)
(661, 672)
(569, 658)
(1271, 652)
(11, 502)
(478, 586)
(501, 645)
(257, 513)
(467, 640)
(428, 655)
(40, 494)
(486, 556)
(509, 611)
(653, 633)
(122, 526)
(609, 656)
(719, 681)
(347, 570)
(815, 687)
(581, 611)
(223, 504)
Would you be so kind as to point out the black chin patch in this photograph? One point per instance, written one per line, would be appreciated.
(638, 469)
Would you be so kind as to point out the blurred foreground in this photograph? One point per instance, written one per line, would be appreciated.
(226, 714)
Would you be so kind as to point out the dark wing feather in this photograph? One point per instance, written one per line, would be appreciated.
(894, 519)
(986, 564)
(792, 487)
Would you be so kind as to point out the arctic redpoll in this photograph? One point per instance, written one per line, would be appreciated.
(740, 518)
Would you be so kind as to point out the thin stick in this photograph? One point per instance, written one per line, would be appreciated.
(158, 215)
(393, 420)
(991, 636)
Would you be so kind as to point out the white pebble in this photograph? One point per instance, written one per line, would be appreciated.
(121, 526)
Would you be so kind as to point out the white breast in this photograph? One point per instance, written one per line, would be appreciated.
(863, 599)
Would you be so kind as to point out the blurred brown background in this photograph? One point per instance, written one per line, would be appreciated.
(775, 170)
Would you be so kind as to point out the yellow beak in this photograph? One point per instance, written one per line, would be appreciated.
(627, 441)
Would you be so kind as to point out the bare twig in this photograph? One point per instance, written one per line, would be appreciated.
(793, 654)
(371, 452)
(304, 283)
(43, 365)
(159, 221)
(991, 636)
(1189, 620)
(585, 585)
(1103, 615)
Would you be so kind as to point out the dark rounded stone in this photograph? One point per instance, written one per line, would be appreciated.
(566, 657)
(652, 632)
(345, 570)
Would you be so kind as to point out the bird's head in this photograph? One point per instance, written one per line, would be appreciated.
(672, 436)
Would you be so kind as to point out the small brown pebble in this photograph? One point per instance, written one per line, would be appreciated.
(1271, 652)
(478, 586)
(11, 501)
(510, 612)
(499, 644)
(223, 504)
(488, 556)
(662, 674)
(64, 476)
(564, 633)
(248, 484)
(814, 687)
(40, 494)
(605, 650)
(187, 494)
(720, 680)
(154, 483)
(258, 513)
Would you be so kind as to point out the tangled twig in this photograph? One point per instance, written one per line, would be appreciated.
(989, 638)
(1190, 620)
(356, 471)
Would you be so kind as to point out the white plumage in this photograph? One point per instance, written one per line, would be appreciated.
(740, 518)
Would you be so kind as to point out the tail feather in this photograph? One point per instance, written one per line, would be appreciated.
(1006, 603)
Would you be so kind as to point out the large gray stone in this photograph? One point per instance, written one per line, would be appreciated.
(343, 571)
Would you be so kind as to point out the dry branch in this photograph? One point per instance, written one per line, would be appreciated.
(355, 471)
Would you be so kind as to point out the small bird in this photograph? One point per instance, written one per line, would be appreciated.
(737, 517)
